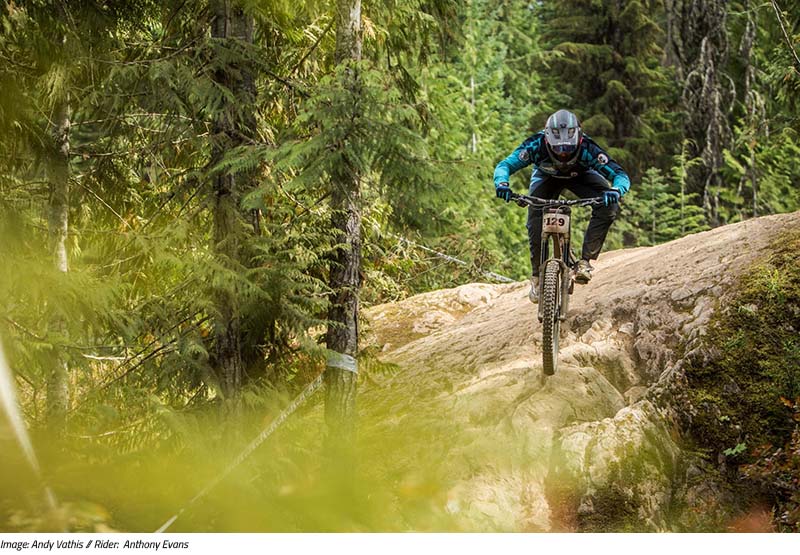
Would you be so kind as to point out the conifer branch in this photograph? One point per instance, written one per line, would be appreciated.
(786, 35)
(313, 47)
(288, 83)
(104, 203)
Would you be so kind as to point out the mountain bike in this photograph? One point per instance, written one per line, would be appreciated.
(556, 272)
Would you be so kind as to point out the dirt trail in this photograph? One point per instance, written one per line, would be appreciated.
(598, 442)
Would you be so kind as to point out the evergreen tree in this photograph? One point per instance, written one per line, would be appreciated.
(345, 269)
(657, 211)
(200, 168)
(700, 45)
(612, 75)
(234, 126)
(764, 119)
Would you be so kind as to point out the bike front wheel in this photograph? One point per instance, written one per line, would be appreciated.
(551, 323)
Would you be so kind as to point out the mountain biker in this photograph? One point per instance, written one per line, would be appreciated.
(565, 158)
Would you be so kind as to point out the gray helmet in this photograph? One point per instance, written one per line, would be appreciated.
(563, 137)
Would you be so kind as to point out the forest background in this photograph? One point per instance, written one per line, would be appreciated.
(170, 172)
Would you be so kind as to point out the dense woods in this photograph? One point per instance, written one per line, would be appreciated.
(197, 196)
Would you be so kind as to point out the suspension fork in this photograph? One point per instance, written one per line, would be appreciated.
(565, 282)
(566, 275)
(545, 259)
(560, 253)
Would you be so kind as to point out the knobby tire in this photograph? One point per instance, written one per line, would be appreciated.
(551, 324)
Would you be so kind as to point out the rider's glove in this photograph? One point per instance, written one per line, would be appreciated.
(611, 197)
(503, 191)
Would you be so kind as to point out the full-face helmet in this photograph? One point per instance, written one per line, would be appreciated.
(563, 137)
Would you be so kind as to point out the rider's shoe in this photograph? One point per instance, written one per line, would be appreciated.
(583, 272)
(533, 295)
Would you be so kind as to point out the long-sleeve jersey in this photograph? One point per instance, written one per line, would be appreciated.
(591, 157)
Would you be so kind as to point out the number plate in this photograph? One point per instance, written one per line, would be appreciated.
(555, 223)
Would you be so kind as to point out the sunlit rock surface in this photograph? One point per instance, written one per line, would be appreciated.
(597, 446)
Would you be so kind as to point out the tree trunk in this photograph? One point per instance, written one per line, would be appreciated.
(753, 100)
(232, 128)
(699, 46)
(58, 226)
(342, 336)
(348, 31)
(227, 328)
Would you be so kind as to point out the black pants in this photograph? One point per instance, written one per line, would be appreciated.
(585, 185)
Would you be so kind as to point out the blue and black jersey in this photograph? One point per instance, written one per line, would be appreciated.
(533, 151)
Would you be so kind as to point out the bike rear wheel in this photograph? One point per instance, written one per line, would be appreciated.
(551, 308)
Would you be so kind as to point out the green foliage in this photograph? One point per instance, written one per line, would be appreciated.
(612, 74)
(657, 211)
(758, 179)
(413, 450)
(140, 296)
(160, 111)
(738, 449)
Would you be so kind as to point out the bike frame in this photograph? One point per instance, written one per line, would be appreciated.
(560, 238)
(559, 235)
(556, 277)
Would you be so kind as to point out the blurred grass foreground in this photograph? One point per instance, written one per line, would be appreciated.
(407, 457)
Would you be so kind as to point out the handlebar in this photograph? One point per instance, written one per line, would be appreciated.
(536, 202)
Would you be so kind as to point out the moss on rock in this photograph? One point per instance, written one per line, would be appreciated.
(738, 397)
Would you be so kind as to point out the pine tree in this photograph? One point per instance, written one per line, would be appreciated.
(234, 126)
(58, 227)
(699, 43)
(657, 210)
(611, 73)
(764, 115)
(345, 268)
